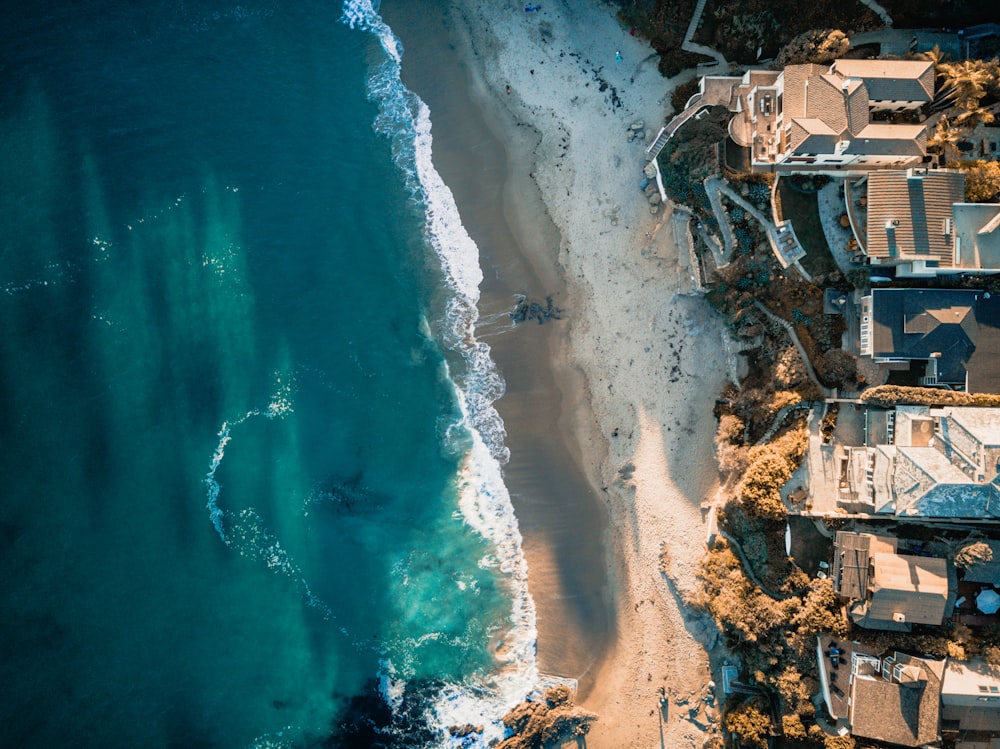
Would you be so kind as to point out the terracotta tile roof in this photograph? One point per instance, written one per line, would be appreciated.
(908, 211)
(794, 88)
(825, 101)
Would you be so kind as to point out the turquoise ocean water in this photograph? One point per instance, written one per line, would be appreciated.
(251, 468)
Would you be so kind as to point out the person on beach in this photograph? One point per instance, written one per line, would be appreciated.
(618, 56)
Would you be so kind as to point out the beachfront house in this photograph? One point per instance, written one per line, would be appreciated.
(970, 697)
(809, 118)
(894, 698)
(887, 590)
(954, 333)
(916, 221)
(935, 464)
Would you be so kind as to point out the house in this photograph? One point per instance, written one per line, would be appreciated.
(892, 698)
(955, 331)
(820, 117)
(888, 590)
(941, 463)
(917, 222)
(970, 696)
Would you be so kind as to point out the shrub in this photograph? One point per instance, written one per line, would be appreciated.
(838, 742)
(890, 396)
(791, 726)
(837, 367)
(820, 612)
(731, 428)
(750, 723)
(767, 473)
(789, 371)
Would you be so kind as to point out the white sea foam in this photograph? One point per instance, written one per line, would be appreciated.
(484, 501)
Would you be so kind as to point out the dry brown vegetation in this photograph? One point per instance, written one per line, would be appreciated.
(775, 638)
(890, 396)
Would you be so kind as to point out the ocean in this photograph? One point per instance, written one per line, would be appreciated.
(253, 487)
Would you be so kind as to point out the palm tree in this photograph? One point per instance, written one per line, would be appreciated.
(946, 138)
(934, 54)
(972, 116)
(965, 82)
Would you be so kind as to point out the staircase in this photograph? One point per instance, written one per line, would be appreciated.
(657, 145)
(695, 17)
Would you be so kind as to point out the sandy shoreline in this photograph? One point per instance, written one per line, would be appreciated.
(636, 357)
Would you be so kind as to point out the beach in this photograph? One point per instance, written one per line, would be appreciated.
(608, 410)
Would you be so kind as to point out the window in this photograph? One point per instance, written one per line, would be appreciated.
(983, 688)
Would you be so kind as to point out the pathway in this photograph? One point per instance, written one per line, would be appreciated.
(748, 569)
(781, 238)
(827, 392)
(689, 46)
(879, 10)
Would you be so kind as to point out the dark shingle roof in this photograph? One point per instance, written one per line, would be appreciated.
(963, 326)
(892, 80)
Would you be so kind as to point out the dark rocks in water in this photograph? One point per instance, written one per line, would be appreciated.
(461, 732)
(367, 722)
(550, 721)
(526, 310)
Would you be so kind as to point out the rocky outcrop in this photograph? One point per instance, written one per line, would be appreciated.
(547, 721)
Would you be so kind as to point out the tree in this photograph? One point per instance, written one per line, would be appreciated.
(973, 554)
(837, 367)
(972, 116)
(966, 82)
(982, 180)
(767, 473)
(817, 46)
(935, 55)
(750, 723)
(945, 138)
(791, 726)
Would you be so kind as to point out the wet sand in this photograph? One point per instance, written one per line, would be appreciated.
(562, 520)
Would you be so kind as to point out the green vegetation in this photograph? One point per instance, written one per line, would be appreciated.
(691, 156)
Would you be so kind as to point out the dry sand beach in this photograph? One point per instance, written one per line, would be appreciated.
(609, 410)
